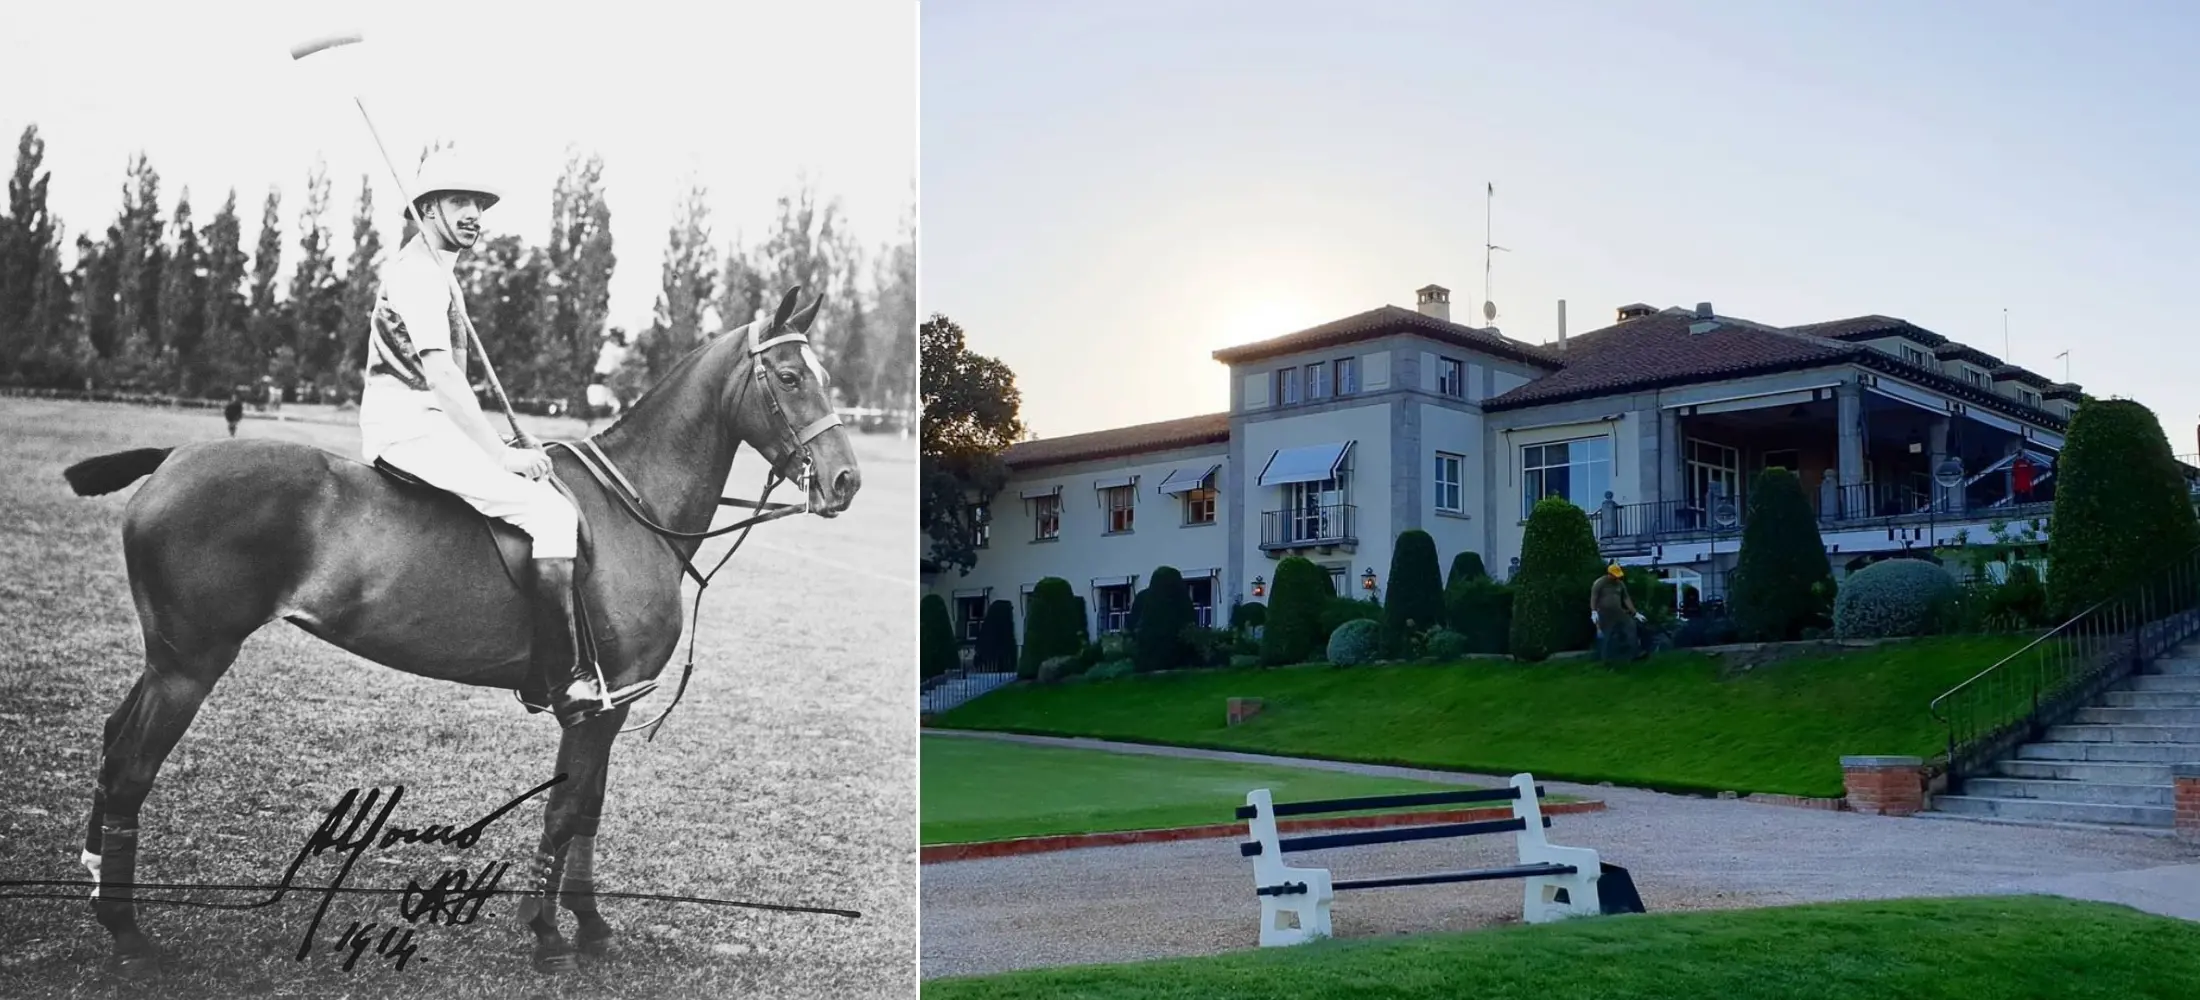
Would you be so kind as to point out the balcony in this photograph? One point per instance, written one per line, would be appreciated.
(1629, 529)
(1326, 527)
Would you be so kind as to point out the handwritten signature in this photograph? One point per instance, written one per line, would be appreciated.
(455, 899)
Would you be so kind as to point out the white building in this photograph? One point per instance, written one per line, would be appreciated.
(1341, 436)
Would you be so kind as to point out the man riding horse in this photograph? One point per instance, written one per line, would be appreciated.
(418, 415)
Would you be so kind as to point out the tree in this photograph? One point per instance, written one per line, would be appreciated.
(1416, 599)
(2121, 510)
(225, 357)
(356, 301)
(689, 275)
(970, 418)
(183, 297)
(98, 284)
(1158, 638)
(264, 325)
(1054, 625)
(1558, 563)
(894, 382)
(139, 260)
(1465, 566)
(316, 298)
(1783, 582)
(939, 652)
(1293, 632)
(581, 260)
(504, 283)
(26, 238)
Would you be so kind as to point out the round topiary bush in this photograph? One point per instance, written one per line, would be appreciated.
(1892, 597)
(1356, 642)
(1249, 615)
(1465, 566)
(1445, 644)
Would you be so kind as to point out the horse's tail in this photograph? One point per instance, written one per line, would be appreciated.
(103, 475)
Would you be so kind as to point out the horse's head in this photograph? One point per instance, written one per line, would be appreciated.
(784, 408)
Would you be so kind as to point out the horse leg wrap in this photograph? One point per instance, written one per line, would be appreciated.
(542, 885)
(577, 888)
(118, 840)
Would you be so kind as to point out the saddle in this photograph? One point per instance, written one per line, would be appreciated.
(516, 551)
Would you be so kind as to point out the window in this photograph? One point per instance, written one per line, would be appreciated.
(1318, 511)
(1287, 385)
(1978, 378)
(1317, 380)
(2029, 397)
(1348, 376)
(1448, 492)
(970, 615)
(1199, 506)
(1120, 509)
(1915, 356)
(1202, 591)
(981, 520)
(1713, 467)
(1337, 581)
(1113, 605)
(1046, 518)
(1451, 379)
(1578, 471)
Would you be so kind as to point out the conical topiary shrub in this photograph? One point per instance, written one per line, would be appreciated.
(995, 652)
(1158, 638)
(1465, 566)
(1783, 578)
(1558, 563)
(938, 650)
(1054, 625)
(1415, 602)
(2121, 507)
(1293, 633)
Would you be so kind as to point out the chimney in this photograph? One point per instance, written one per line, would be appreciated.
(1703, 310)
(1562, 324)
(1636, 310)
(1434, 300)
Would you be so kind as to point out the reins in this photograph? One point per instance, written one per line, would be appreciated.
(614, 482)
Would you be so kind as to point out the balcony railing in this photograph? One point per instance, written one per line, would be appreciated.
(1845, 506)
(1330, 524)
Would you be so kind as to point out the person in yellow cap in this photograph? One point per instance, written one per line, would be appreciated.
(1612, 610)
(418, 415)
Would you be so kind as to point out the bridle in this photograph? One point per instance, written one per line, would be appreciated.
(798, 453)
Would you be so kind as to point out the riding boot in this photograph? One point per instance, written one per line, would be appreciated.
(575, 694)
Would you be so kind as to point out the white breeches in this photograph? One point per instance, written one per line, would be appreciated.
(454, 464)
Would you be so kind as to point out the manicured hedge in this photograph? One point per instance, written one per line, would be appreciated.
(1558, 563)
(1783, 581)
(1415, 602)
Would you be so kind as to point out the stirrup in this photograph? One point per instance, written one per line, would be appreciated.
(624, 696)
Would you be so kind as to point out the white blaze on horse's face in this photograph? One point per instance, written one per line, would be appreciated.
(817, 368)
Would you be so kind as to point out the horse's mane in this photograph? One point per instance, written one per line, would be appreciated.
(693, 357)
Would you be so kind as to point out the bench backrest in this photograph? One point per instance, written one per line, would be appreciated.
(1261, 812)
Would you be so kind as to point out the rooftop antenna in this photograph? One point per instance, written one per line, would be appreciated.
(2005, 335)
(2065, 356)
(1489, 306)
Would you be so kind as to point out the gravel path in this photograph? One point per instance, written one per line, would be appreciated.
(1143, 901)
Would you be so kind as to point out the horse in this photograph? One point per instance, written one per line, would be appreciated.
(230, 535)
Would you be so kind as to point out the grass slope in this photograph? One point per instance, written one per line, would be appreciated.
(978, 790)
(1668, 722)
(1937, 949)
(785, 777)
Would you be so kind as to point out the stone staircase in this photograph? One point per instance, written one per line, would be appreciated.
(2109, 765)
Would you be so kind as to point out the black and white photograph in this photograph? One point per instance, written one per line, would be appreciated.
(458, 473)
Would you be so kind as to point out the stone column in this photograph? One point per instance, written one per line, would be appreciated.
(1851, 399)
(1672, 483)
(1884, 786)
(2187, 799)
(1936, 448)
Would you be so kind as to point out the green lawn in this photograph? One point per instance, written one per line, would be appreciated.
(977, 790)
(1669, 722)
(1990, 948)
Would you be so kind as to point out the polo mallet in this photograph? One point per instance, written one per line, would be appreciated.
(330, 41)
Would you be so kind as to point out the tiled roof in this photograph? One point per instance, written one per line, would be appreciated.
(1658, 351)
(2026, 376)
(1184, 432)
(1385, 320)
(1952, 351)
(1872, 327)
(2064, 390)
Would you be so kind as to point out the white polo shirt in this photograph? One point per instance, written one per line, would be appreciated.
(417, 309)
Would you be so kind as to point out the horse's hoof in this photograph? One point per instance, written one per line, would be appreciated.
(594, 947)
(136, 964)
(555, 959)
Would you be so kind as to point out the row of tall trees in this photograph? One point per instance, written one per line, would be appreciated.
(160, 302)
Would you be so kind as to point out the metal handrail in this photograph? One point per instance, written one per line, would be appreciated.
(2054, 690)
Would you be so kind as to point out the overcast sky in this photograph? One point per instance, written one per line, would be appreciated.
(1113, 191)
(743, 95)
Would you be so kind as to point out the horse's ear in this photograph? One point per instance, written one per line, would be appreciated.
(786, 308)
(802, 320)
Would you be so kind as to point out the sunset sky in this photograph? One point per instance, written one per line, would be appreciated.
(744, 96)
(1111, 192)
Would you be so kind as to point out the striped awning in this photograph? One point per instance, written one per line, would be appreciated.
(1308, 464)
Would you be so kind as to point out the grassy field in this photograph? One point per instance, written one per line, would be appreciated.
(976, 790)
(786, 776)
(1924, 949)
(1669, 722)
